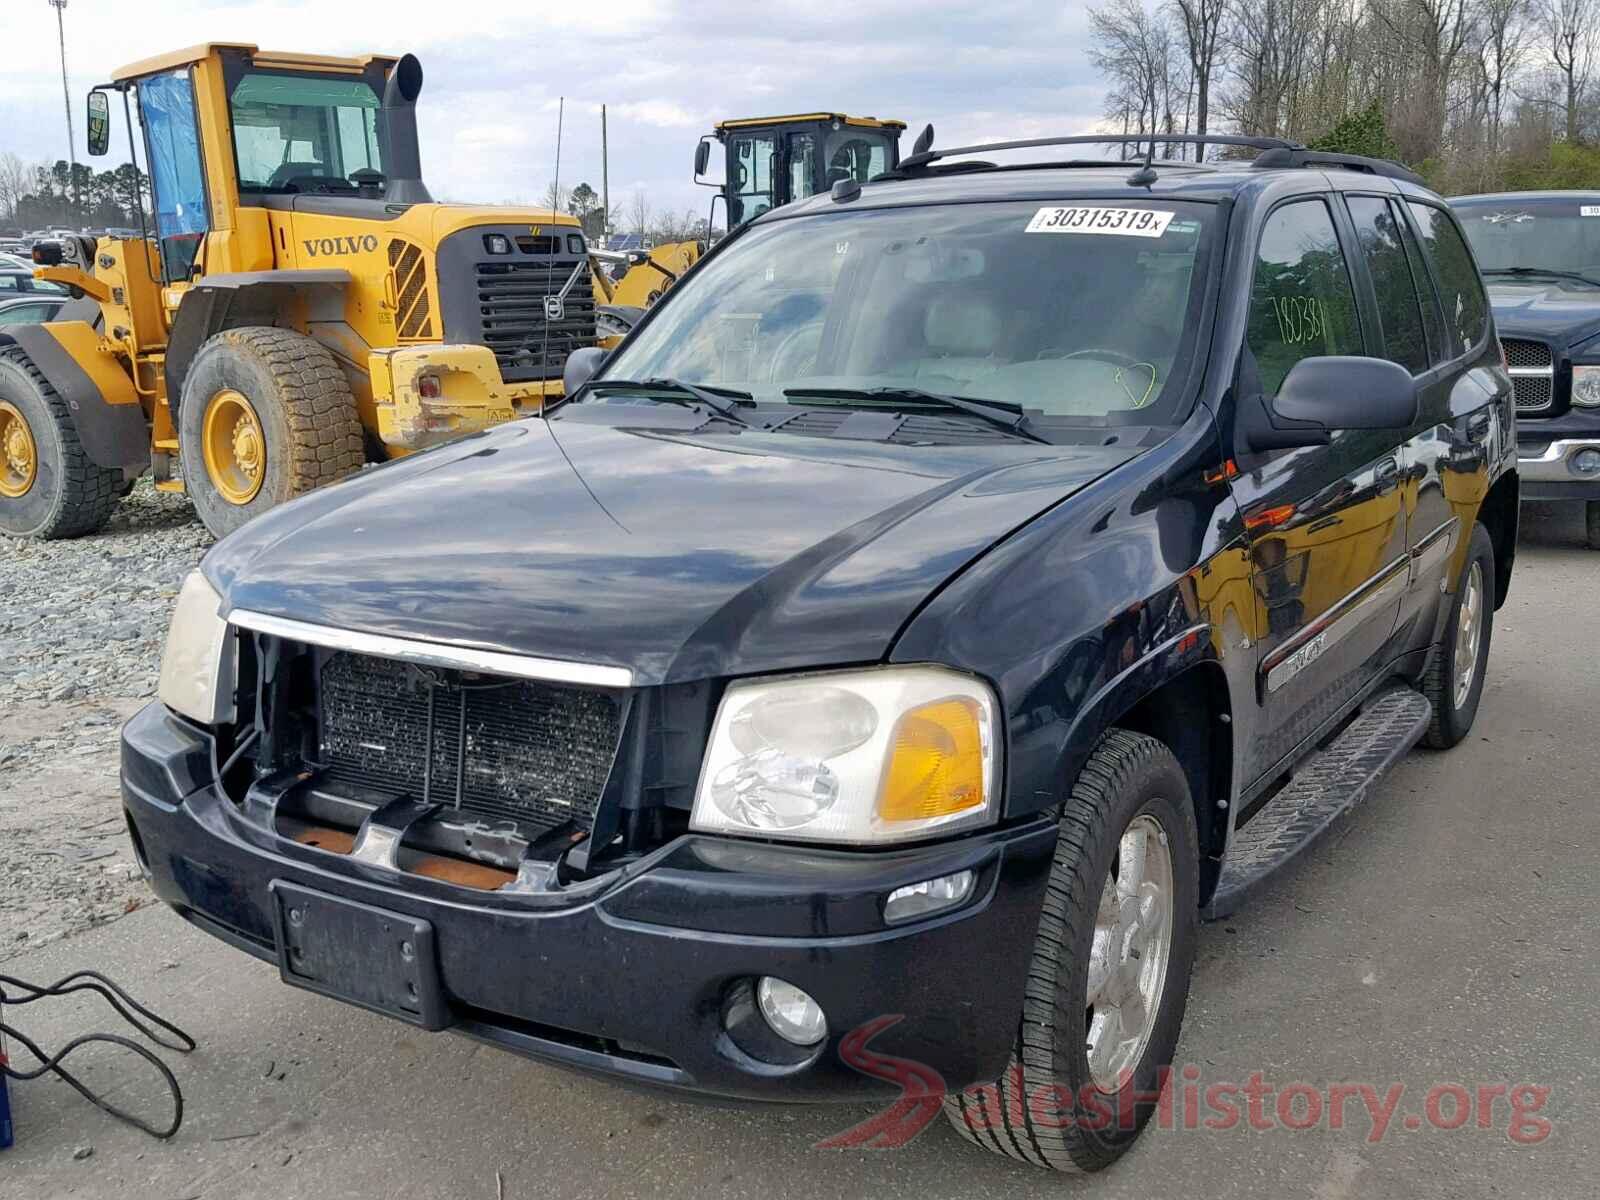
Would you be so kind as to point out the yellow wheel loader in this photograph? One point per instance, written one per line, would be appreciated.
(299, 304)
(767, 162)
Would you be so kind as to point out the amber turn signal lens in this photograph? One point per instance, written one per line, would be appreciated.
(935, 763)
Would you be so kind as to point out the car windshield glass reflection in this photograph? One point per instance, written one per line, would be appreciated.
(1073, 311)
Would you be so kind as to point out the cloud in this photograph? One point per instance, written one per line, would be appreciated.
(497, 70)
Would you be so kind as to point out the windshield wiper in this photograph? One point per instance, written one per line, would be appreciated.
(720, 400)
(1000, 413)
(1545, 272)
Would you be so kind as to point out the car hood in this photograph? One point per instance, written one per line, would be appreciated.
(647, 546)
(1545, 310)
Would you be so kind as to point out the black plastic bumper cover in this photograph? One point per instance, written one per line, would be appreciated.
(628, 979)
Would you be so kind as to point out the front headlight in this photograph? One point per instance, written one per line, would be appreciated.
(863, 757)
(1586, 387)
(197, 664)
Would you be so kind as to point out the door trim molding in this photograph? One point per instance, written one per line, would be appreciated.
(1334, 625)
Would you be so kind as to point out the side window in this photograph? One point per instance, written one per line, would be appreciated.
(166, 103)
(752, 164)
(802, 164)
(11, 283)
(1399, 309)
(1302, 303)
(1466, 308)
(1419, 272)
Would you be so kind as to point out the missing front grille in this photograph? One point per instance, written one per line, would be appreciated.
(534, 753)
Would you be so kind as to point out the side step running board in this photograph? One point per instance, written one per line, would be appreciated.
(1329, 782)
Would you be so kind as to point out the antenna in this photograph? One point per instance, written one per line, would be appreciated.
(1146, 175)
(550, 266)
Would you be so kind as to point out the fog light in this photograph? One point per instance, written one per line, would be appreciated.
(1586, 462)
(428, 387)
(793, 1015)
(497, 243)
(929, 896)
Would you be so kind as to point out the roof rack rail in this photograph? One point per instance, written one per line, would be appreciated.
(1286, 158)
(922, 157)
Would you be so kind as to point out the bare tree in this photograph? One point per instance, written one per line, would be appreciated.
(1569, 25)
(1135, 49)
(14, 176)
(555, 197)
(1201, 24)
(1504, 30)
(639, 212)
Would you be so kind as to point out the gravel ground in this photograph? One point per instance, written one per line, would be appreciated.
(81, 628)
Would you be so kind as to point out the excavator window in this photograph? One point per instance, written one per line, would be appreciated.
(751, 174)
(301, 133)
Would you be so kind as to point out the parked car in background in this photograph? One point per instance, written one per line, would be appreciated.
(18, 261)
(31, 309)
(879, 646)
(1540, 255)
(14, 282)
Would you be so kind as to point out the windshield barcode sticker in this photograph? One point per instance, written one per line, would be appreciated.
(1589, 210)
(1123, 222)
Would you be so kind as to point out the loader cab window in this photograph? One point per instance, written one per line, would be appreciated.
(854, 153)
(177, 172)
(304, 133)
(751, 164)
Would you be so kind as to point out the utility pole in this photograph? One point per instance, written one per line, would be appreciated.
(66, 96)
(605, 183)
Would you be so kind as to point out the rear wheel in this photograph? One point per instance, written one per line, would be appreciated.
(266, 414)
(1591, 512)
(48, 486)
(1110, 975)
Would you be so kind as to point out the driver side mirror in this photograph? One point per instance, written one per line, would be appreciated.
(580, 368)
(99, 123)
(1327, 393)
(702, 158)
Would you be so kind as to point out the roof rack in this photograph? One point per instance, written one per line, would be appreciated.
(1300, 157)
(923, 153)
(1275, 153)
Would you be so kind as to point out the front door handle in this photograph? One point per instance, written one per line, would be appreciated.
(1387, 475)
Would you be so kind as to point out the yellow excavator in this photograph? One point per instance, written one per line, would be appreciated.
(767, 162)
(298, 304)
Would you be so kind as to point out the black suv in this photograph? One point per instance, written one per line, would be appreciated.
(1540, 253)
(954, 589)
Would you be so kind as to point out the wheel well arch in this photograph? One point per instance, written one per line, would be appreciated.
(218, 302)
(1499, 515)
(1191, 713)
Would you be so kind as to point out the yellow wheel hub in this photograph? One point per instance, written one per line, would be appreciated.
(235, 447)
(19, 457)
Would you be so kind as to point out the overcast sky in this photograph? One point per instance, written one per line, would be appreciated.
(495, 68)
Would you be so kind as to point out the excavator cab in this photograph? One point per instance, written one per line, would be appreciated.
(773, 160)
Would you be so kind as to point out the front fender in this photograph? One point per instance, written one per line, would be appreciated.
(106, 413)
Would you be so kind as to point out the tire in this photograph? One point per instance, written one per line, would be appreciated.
(1591, 524)
(59, 493)
(1129, 782)
(300, 425)
(1455, 704)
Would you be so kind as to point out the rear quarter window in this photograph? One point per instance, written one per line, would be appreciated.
(1466, 308)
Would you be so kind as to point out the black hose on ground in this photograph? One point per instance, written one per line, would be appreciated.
(93, 981)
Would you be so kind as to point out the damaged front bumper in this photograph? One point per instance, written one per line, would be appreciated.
(628, 974)
(425, 395)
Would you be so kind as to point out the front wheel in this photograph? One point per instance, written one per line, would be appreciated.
(1453, 683)
(266, 415)
(1110, 974)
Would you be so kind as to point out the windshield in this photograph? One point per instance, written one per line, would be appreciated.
(1082, 311)
(1549, 235)
(295, 133)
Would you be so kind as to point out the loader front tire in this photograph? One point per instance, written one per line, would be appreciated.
(48, 487)
(266, 414)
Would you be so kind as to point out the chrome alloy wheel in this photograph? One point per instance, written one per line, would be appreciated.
(1128, 957)
(1469, 631)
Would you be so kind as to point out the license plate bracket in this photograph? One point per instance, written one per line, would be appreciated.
(380, 960)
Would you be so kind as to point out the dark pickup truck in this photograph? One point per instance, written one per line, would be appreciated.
(954, 589)
(1540, 255)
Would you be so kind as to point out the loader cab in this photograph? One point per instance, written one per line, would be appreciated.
(771, 161)
(228, 128)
